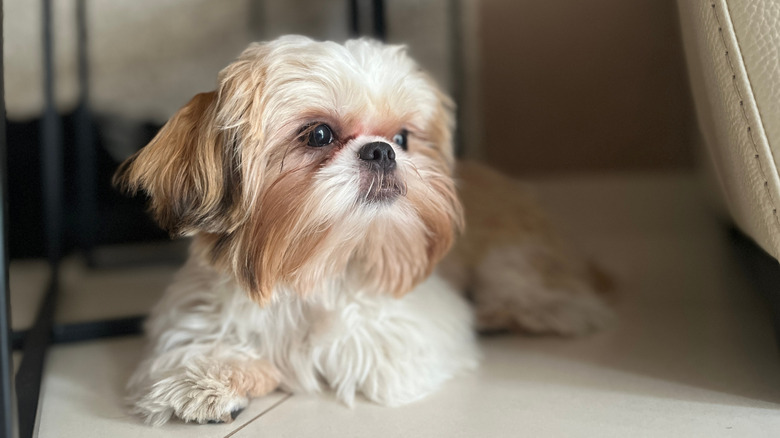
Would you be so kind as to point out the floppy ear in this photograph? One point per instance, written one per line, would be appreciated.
(443, 126)
(189, 171)
(444, 218)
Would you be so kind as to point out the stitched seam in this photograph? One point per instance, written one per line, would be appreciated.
(757, 156)
(749, 81)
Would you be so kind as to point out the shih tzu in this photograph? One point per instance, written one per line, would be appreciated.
(318, 184)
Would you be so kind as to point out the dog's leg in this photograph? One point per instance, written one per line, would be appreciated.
(535, 289)
(200, 367)
(198, 386)
(517, 271)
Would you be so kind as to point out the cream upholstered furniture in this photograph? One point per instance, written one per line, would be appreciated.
(733, 54)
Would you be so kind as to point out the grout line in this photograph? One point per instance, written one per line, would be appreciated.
(265, 411)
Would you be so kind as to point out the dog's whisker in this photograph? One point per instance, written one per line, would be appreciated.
(368, 192)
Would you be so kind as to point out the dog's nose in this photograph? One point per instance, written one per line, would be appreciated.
(379, 153)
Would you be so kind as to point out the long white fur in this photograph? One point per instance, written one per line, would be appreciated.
(393, 351)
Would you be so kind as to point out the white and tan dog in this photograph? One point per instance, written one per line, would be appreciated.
(317, 181)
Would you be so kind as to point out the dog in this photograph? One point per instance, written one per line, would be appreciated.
(318, 185)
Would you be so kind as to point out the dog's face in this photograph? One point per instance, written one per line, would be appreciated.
(311, 162)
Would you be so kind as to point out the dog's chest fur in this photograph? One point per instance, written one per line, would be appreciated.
(350, 339)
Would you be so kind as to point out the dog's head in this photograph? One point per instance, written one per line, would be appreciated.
(312, 161)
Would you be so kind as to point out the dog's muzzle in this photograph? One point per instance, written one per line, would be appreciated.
(380, 182)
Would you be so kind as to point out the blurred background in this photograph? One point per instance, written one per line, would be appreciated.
(541, 91)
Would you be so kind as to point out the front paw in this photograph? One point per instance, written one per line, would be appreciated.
(203, 391)
(193, 395)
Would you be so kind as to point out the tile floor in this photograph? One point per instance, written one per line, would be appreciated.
(692, 354)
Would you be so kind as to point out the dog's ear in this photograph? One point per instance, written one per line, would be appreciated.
(449, 220)
(442, 126)
(189, 171)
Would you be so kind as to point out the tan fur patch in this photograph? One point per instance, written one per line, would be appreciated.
(187, 171)
(254, 378)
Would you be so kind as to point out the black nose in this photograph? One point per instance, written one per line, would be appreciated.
(379, 153)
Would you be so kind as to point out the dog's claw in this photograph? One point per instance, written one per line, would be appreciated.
(233, 415)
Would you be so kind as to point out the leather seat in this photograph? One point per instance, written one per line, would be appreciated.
(733, 55)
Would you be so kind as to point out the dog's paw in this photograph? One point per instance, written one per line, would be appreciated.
(205, 391)
(193, 395)
(536, 290)
(233, 416)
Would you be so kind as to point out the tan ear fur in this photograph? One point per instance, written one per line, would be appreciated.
(442, 126)
(188, 171)
(445, 221)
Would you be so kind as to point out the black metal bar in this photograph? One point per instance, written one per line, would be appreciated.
(380, 25)
(28, 378)
(106, 328)
(51, 151)
(87, 331)
(85, 143)
(6, 361)
(375, 20)
(354, 18)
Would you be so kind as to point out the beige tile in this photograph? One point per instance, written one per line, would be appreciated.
(82, 395)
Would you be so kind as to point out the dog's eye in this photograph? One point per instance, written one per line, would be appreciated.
(320, 135)
(400, 139)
